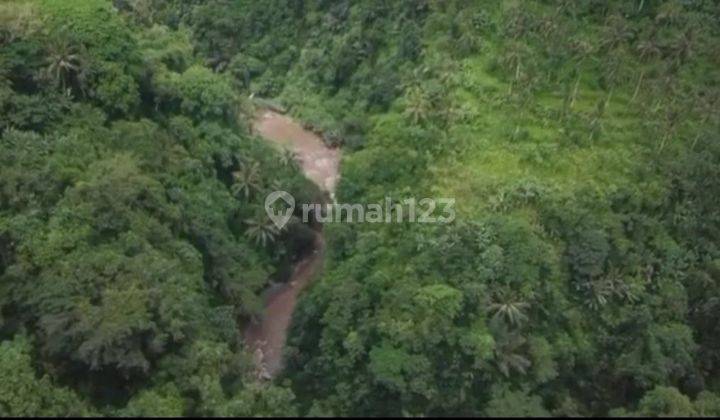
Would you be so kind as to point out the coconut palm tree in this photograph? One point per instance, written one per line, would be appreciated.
(276, 185)
(517, 22)
(508, 307)
(288, 157)
(516, 59)
(599, 291)
(616, 32)
(705, 106)
(647, 50)
(247, 179)
(418, 106)
(580, 50)
(508, 351)
(669, 13)
(261, 230)
(65, 63)
(682, 47)
(613, 74)
(669, 123)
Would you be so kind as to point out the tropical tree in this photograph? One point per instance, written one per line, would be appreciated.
(23, 393)
(418, 106)
(616, 32)
(666, 401)
(509, 350)
(682, 47)
(66, 63)
(580, 49)
(247, 179)
(261, 230)
(288, 157)
(508, 403)
(508, 307)
(648, 49)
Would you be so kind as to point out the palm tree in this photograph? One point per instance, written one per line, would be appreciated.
(508, 307)
(288, 157)
(508, 351)
(670, 120)
(682, 47)
(704, 106)
(447, 74)
(276, 185)
(548, 25)
(516, 54)
(261, 230)
(247, 179)
(517, 22)
(616, 32)
(670, 13)
(418, 106)
(599, 291)
(580, 50)
(613, 75)
(648, 49)
(65, 63)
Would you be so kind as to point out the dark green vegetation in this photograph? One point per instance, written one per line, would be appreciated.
(133, 240)
(580, 139)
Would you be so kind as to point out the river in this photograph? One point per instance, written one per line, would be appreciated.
(321, 164)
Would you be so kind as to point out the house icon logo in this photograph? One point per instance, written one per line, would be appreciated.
(274, 202)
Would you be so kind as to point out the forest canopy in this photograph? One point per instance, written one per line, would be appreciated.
(580, 140)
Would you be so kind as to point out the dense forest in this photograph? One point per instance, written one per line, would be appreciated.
(580, 139)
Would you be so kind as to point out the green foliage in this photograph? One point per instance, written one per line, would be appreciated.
(198, 92)
(515, 404)
(162, 46)
(123, 252)
(91, 50)
(26, 394)
(260, 400)
(163, 402)
(571, 262)
(707, 404)
(666, 401)
(581, 276)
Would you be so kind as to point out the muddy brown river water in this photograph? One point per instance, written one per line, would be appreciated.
(321, 164)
